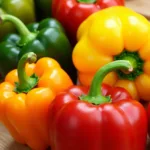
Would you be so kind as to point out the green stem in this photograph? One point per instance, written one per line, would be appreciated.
(26, 83)
(135, 60)
(86, 1)
(26, 35)
(95, 94)
(1, 2)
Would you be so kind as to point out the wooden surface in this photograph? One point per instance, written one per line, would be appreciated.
(6, 141)
(140, 6)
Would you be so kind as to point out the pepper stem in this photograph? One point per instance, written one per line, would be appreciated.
(95, 93)
(86, 1)
(26, 83)
(26, 35)
(135, 60)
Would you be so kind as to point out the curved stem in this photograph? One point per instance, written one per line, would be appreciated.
(26, 83)
(95, 94)
(95, 88)
(26, 35)
(135, 60)
(86, 1)
(1, 2)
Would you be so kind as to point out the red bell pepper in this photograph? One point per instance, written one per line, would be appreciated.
(72, 12)
(81, 121)
(148, 114)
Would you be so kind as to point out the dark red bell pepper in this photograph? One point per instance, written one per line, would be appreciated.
(148, 115)
(72, 12)
(97, 118)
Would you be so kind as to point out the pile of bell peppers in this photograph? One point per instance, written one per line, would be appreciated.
(46, 38)
(66, 116)
(98, 119)
(120, 34)
(25, 96)
(23, 9)
(71, 13)
(40, 103)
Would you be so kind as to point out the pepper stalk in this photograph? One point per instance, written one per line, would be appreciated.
(26, 35)
(95, 93)
(26, 83)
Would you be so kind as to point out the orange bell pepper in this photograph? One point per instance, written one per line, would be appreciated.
(25, 96)
(116, 33)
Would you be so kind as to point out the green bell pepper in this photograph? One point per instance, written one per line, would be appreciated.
(23, 9)
(43, 6)
(46, 39)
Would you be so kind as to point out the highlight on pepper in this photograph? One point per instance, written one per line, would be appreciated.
(119, 34)
(45, 38)
(71, 13)
(25, 96)
(89, 119)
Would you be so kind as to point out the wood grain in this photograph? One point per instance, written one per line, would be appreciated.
(7, 142)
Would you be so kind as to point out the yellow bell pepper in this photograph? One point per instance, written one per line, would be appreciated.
(116, 33)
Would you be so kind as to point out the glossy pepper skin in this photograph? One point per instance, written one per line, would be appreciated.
(81, 120)
(148, 115)
(23, 9)
(71, 13)
(120, 34)
(25, 96)
(46, 39)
